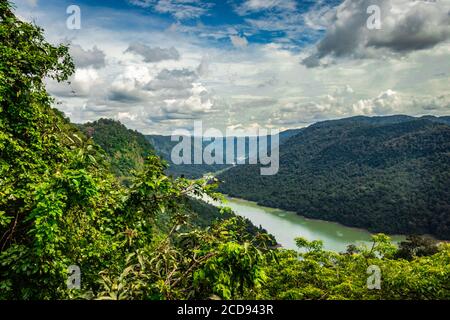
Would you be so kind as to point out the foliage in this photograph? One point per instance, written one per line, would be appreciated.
(318, 274)
(59, 203)
(416, 246)
(126, 149)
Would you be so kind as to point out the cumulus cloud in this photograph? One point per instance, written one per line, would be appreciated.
(405, 26)
(263, 84)
(83, 83)
(387, 102)
(198, 102)
(170, 94)
(94, 58)
(153, 54)
(181, 94)
(439, 104)
(238, 42)
(342, 103)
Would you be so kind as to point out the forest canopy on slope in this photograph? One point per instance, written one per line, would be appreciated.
(385, 174)
(126, 149)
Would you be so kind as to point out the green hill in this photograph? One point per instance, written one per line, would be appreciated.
(387, 174)
(126, 149)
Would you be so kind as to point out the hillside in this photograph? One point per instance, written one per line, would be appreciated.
(386, 174)
(126, 149)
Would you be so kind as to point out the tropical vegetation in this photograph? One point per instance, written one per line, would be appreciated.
(62, 204)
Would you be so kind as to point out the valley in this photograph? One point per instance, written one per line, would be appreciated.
(384, 174)
(363, 179)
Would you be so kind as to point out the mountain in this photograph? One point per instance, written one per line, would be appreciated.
(163, 147)
(385, 174)
(445, 120)
(126, 149)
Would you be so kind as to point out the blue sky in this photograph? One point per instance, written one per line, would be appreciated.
(211, 14)
(158, 65)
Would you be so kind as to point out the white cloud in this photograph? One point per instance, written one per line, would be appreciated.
(238, 42)
(387, 102)
(87, 58)
(264, 84)
(121, 116)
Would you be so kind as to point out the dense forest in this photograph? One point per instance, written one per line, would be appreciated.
(126, 149)
(62, 204)
(385, 174)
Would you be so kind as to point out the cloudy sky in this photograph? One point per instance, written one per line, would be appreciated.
(158, 65)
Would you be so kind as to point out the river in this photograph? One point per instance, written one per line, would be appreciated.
(286, 226)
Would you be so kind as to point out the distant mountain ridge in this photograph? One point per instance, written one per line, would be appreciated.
(163, 146)
(389, 174)
(381, 120)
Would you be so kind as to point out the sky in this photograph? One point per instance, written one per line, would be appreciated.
(159, 65)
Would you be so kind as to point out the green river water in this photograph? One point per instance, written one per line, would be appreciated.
(286, 226)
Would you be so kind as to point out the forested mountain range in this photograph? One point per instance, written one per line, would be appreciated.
(163, 146)
(125, 153)
(370, 172)
(387, 174)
